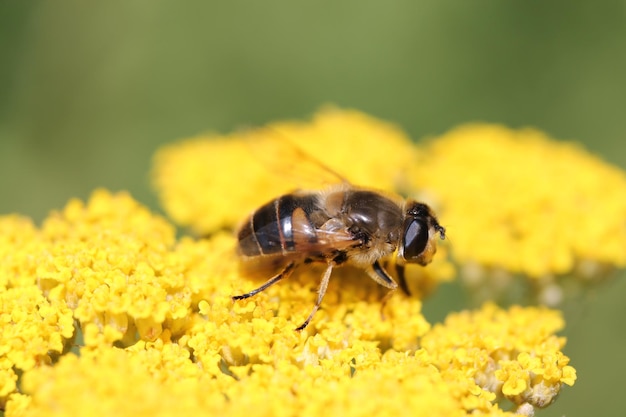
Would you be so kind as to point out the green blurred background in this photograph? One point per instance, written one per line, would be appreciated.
(89, 91)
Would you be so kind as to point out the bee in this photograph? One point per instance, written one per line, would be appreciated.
(340, 225)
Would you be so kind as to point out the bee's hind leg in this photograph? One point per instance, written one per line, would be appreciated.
(320, 295)
(281, 275)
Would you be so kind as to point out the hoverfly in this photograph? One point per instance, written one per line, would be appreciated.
(340, 225)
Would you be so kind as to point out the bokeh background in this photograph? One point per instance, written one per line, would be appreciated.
(89, 90)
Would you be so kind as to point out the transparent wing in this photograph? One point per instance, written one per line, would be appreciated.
(294, 159)
(292, 239)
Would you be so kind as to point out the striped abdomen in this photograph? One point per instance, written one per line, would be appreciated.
(280, 227)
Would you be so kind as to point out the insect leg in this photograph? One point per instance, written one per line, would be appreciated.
(378, 274)
(402, 279)
(282, 274)
(320, 295)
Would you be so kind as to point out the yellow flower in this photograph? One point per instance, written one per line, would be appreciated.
(517, 202)
(112, 381)
(513, 202)
(33, 329)
(212, 182)
(111, 261)
(512, 353)
(230, 358)
(159, 334)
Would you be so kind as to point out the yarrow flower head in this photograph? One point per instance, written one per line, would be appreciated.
(105, 311)
(350, 360)
(518, 203)
(527, 369)
(213, 181)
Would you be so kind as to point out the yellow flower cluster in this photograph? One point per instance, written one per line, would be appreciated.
(33, 328)
(516, 202)
(111, 262)
(163, 337)
(524, 369)
(212, 182)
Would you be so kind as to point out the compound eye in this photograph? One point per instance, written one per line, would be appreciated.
(415, 239)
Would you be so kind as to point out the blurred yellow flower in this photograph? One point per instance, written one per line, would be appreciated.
(514, 202)
(517, 202)
(212, 182)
